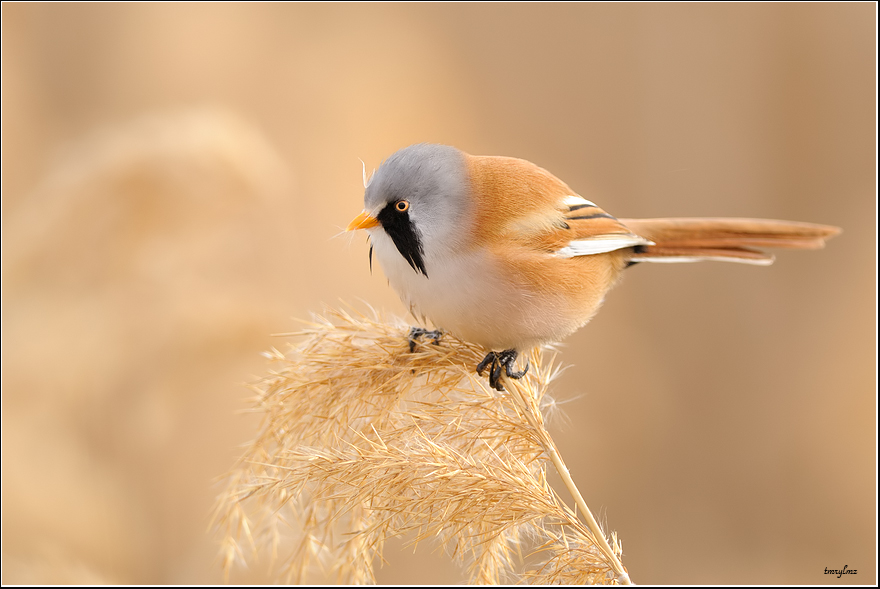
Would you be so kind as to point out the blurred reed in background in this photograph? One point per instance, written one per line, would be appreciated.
(175, 178)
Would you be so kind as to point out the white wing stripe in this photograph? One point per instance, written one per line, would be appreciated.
(600, 245)
(571, 201)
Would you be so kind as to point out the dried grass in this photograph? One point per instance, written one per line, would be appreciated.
(363, 441)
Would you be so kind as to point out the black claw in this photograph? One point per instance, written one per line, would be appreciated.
(417, 332)
(490, 358)
(517, 375)
(508, 358)
(495, 362)
(495, 378)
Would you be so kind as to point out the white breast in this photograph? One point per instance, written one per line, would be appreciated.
(469, 295)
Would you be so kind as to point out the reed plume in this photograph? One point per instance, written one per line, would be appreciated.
(363, 440)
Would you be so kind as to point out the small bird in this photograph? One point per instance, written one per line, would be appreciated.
(501, 253)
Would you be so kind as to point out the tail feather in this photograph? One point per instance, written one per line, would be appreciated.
(688, 240)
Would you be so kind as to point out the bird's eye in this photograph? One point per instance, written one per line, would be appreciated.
(402, 206)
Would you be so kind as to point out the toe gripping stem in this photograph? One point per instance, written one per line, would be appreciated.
(495, 362)
(416, 332)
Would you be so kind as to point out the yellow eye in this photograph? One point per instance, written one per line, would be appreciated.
(402, 206)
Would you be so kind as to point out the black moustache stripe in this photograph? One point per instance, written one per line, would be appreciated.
(404, 235)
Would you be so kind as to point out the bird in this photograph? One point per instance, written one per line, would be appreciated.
(503, 254)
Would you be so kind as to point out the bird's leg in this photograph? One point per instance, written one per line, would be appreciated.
(495, 362)
(417, 332)
(507, 358)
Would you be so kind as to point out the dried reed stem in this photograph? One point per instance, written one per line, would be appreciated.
(363, 440)
(535, 418)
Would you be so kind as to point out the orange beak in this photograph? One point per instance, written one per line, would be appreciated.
(362, 221)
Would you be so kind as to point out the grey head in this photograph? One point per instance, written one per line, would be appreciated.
(420, 196)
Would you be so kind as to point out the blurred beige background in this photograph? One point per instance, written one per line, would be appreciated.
(175, 177)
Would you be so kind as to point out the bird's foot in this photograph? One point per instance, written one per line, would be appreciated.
(495, 361)
(417, 332)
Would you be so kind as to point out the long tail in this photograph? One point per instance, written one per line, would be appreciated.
(730, 240)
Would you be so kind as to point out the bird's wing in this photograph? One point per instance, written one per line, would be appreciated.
(578, 227)
(522, 205)
(593, 231)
